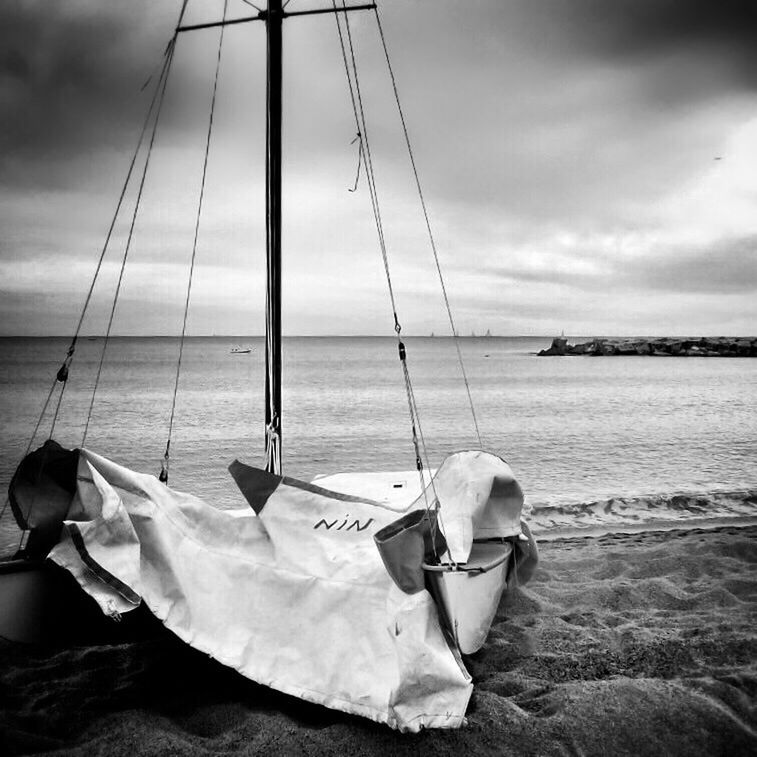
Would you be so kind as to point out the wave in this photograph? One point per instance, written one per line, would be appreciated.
(647, 512)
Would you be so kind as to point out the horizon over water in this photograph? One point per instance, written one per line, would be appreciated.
(575, 430)
(433, 335)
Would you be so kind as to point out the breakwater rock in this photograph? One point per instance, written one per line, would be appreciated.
(717, 346)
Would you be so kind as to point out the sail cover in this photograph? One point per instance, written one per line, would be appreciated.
(294, 596)
(293, 592)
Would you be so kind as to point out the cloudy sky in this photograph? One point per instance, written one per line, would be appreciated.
(588, 165)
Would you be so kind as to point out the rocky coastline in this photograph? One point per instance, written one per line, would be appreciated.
(718, 346)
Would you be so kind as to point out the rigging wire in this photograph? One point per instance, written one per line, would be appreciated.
(31, 441)
(418, 438)
(62, 374)
(428, 226)
(161, 90)
(157, 99)
(167, 55)
(357, 104)
(359, 138)
(62, 378)
(164, 466)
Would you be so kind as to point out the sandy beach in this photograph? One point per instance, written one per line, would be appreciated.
(306, 242)
(623, 644)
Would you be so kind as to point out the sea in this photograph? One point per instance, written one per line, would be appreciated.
(597, 443)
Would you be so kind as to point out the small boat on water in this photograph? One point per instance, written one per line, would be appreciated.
(241, 350)
(357, 591)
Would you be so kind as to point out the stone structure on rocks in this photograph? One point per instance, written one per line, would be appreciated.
(717, 346)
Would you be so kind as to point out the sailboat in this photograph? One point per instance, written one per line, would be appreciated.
(357, 591)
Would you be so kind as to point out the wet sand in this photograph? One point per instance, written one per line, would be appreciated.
(624, 644)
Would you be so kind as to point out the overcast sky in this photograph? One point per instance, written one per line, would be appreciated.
(588, 165)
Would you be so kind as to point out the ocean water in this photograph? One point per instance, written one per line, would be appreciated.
(588, 438)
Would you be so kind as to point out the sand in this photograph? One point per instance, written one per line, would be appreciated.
(623, 644)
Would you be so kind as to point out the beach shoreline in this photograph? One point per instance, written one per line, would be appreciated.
(626, 643)
(643, 512)
(691, 525)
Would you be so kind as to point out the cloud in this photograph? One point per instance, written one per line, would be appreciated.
(729, 266)
(65, 64)
(726, 267)
(640, 28)
(566, 151)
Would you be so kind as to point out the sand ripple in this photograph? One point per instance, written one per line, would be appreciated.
(624, 644)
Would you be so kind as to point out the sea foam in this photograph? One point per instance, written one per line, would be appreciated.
(643, 513)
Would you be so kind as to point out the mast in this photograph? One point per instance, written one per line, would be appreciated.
(273, 19)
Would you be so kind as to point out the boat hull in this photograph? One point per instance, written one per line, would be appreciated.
(468, 596)
(41, 603)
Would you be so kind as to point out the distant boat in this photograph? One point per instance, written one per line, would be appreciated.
(241, 350)
(488, 334)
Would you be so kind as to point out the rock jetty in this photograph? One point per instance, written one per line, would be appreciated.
(717, 346)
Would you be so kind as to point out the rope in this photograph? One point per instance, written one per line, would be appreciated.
(370, 175)
(164, 467)
(272, 436)
(362, 130)
(72, 347)
(157, 98)
(167, 54)
(31, 441)
(428, 227)
(41, 416)
(57, 408)
(359, 160)
(62, 375)
(160, 92)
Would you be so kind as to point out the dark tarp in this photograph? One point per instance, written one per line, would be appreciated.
(406, 543)
(40, 495)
